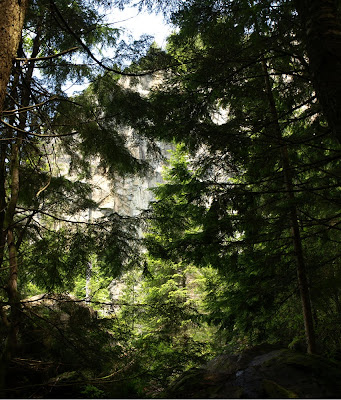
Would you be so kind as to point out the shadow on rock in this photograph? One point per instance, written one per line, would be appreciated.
(264, 371)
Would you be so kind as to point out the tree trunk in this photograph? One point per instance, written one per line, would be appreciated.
(5, 155)
(88, 268)
(12, 17)
(3, 149)
(13, 298)
(295, 230)
(9, 222)
(12, 284)
(322, 29)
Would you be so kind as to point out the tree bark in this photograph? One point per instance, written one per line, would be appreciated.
(12, 17)
(14, 189)
(322, 29)
(12, 284)
(13, 298)
(2, 200)
(295, 230)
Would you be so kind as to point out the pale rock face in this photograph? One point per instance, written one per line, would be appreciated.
(126, 196)
(130, 195)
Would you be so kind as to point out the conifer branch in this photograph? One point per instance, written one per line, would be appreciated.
(24, 109)
(26, 60)
(36, 134)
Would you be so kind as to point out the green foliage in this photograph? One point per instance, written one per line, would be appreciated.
(160, 315)
(47, 133)
(227, 205)
(92, 392)
(97, 282)
(220, 271)
(67, 351)
(50, 147)
(101, 133)
(68, 24)
(252, 297)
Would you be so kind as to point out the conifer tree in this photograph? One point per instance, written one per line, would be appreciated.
(240, 98)
(42, 242)
(321, 22)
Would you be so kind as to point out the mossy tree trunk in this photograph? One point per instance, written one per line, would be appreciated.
(12, 18)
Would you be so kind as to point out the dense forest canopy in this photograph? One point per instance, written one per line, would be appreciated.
(242, 243)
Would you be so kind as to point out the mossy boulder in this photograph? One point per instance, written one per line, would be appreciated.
(261, 372)
(62, 347)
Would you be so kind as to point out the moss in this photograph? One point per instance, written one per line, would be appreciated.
(236, 392)
(319, 366)
(191, 379)
(274, 391)
(310, 373)
(67, 377)
(277, 374)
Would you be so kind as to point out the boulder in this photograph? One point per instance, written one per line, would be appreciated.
(264, 371)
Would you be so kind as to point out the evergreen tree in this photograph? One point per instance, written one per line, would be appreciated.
(43, 243)
(321, 23)
(161, 313)
(266, 181)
